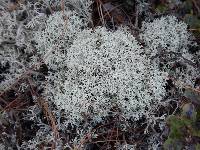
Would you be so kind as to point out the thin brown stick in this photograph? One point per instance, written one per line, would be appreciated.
(50, 116)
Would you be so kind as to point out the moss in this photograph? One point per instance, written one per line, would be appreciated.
(197, 147)
(178, 125)
(173, 144)
(192, 20)
(161, 8)
(194, 23)
(181, 127)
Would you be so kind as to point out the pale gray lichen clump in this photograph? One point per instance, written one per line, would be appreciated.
(95, 75)
(165, 34)
(108, 69)
(98, 71)
(16, 68)
(167, 39)
(8, 54)
(57, 36)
